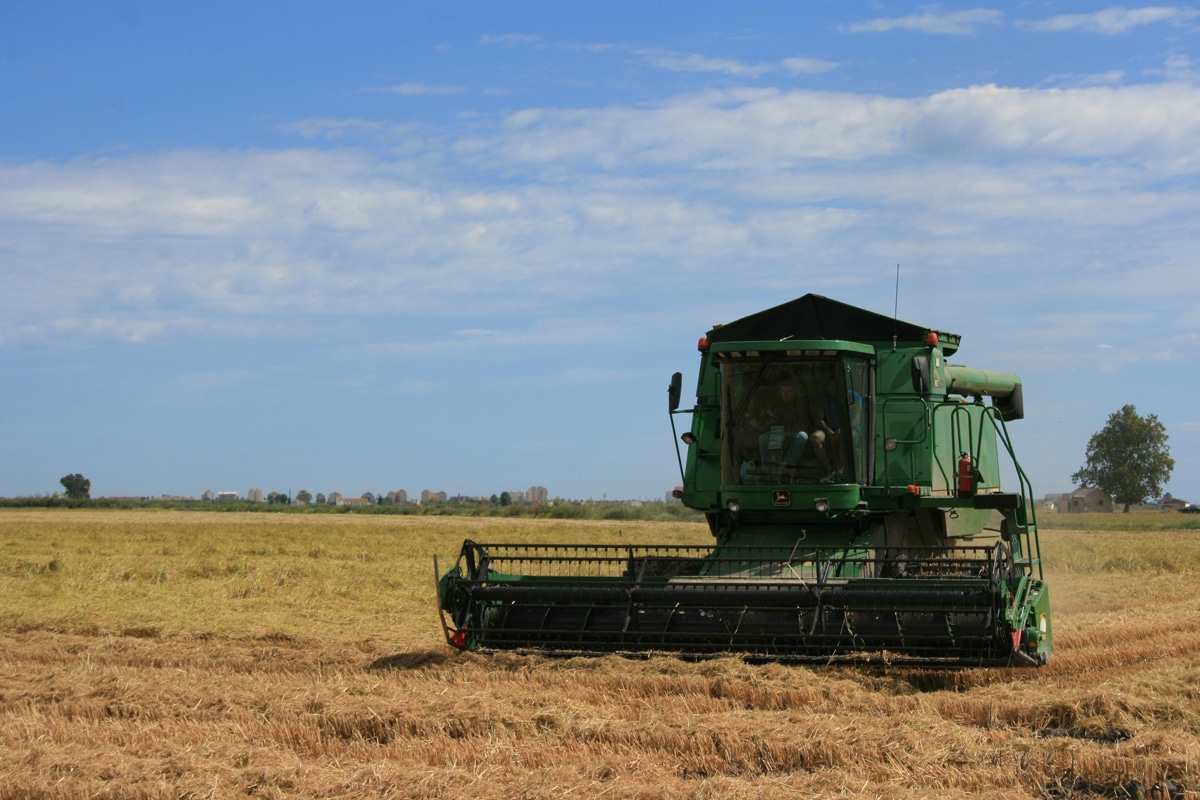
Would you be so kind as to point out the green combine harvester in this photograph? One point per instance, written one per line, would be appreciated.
(850, 477)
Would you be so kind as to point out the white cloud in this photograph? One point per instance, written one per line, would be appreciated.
(414, 89)
(755, 192)
(1143, 123)
(331, 128)
(956, 23)
(513, 40)
(1113, 20)
(766, 128)
(1176, 68)
(697, 63)
(808, 66)
(1112, 77)
(694, 62)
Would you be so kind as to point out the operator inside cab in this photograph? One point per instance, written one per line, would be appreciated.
(792, 421)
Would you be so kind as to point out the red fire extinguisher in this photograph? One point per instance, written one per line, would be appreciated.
(966, 476)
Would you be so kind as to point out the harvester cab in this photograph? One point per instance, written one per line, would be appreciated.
(850, 477)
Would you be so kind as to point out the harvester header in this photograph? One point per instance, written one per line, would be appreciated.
(850, 477)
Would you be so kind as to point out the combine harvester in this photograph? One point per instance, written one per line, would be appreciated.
(851, 479)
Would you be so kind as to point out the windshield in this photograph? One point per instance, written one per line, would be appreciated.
(790, 420)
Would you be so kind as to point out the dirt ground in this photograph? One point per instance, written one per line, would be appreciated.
(150, 712)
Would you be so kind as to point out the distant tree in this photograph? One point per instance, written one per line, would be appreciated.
(77, 486)
(1128, 458)
(304, 497)
(320, 499)
(370, 498)
(505, 499)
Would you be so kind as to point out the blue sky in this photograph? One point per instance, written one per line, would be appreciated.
(461, 246)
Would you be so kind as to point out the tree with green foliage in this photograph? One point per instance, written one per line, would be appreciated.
(1129, 458)
(77, 486)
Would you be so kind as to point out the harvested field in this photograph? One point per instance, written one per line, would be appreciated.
(162, 654)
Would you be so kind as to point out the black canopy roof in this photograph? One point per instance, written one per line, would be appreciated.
(815, 317)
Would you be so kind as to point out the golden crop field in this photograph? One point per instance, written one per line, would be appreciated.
(160, 654)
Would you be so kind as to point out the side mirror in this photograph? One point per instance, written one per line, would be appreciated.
(674, 391)
(920, 375)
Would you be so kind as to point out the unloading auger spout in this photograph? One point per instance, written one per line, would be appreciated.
(850, 477)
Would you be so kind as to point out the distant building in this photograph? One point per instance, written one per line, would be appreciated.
(536, 494)
(1086, 501)
(208, 495)
(1170, 503)
(398, 497)
(227, 496)
(432, 497)
(1052, 502)
(255, 495)
(351, 501)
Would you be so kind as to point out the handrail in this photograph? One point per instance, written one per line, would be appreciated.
(1029, 525)
(1025, 518)
(1027, 521)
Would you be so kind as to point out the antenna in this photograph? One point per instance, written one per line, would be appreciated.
(896, 310)
(896, 307)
